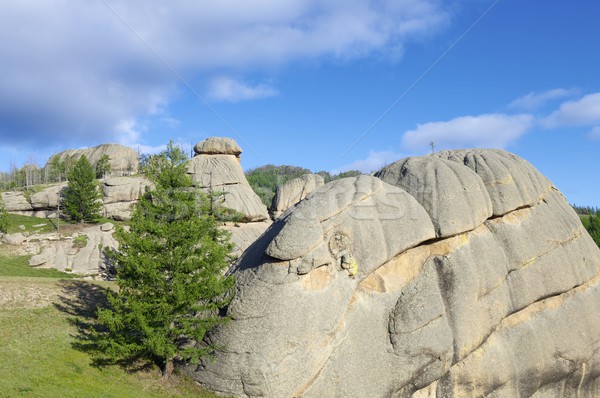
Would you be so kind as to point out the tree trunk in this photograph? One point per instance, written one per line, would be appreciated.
(167, 370)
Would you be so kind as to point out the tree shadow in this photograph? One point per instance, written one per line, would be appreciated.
(81, 301)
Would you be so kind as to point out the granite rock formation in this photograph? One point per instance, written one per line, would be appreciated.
(371, 289)
(120, 193)
(216, 168)
(62, 253)
(292, 192)
(123, 160)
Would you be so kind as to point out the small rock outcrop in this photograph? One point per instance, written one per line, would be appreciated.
(66, 254)
(218, 170)
(16, 201)
(120, 193)
(123, 160)
(218, 146)
(293, 191)
(371, 289)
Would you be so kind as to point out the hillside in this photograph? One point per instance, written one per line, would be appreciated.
(43, 321)
(265, 179)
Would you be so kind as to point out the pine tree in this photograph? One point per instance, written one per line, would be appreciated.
(593, 227)
(170, 272)
(103, 167)
(82, 198)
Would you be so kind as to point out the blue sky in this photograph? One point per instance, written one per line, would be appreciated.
(327, 85)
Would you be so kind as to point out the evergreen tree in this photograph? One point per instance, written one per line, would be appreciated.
(82, 198)
(3, 217)
(103, 167)
(170, 272)
(593, 227)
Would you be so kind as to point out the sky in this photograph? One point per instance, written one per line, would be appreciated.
(326, 85)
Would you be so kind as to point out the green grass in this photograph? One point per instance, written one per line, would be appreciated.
(19, 266)
(15, 220)
(38, 356)
(80, 241)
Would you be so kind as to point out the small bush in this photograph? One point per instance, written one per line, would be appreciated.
(80, 241)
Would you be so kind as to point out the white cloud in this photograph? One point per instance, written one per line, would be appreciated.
(535, 100)
(595, 133)
(72, 70)
(375, 161)
(228, 89)
(582, 112)
(489, 130)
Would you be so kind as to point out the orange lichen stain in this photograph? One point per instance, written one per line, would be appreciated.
(317, 279)
(400, 270)
(550, 303)
(515, 217)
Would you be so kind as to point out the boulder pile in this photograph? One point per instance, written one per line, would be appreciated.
(459, 274)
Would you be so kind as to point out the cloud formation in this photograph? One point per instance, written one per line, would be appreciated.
(494, 130)
(582, 112)
(74, 71)
(228, 89)
(595, 133)
(535, 100)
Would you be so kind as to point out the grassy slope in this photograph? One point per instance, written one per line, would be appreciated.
(19, 266)
(38, 318)
(15, 220)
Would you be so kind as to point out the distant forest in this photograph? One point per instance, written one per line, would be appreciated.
(265, 179)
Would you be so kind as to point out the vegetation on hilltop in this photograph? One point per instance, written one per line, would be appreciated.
(590, 217)
(585, 210)
(265, 179)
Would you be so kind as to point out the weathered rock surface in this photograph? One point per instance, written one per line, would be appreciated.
(354, 292)
(218, 146)
(453, 195)
(294, 191)
(123, 160)
(511, 181)
(48, 198)
(217, 169)
(120, 193)
(63, 255)
(245, 234)
(16, 201)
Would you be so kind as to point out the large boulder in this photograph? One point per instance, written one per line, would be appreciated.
(16, 201)
(356, 292)
(218, 146)
(453, 195)
(120, 193)
(293, 191)
(123, 160)
(216, 168)
(48, 198)
(66, 255)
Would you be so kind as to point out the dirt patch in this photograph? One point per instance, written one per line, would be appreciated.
(16, 293)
